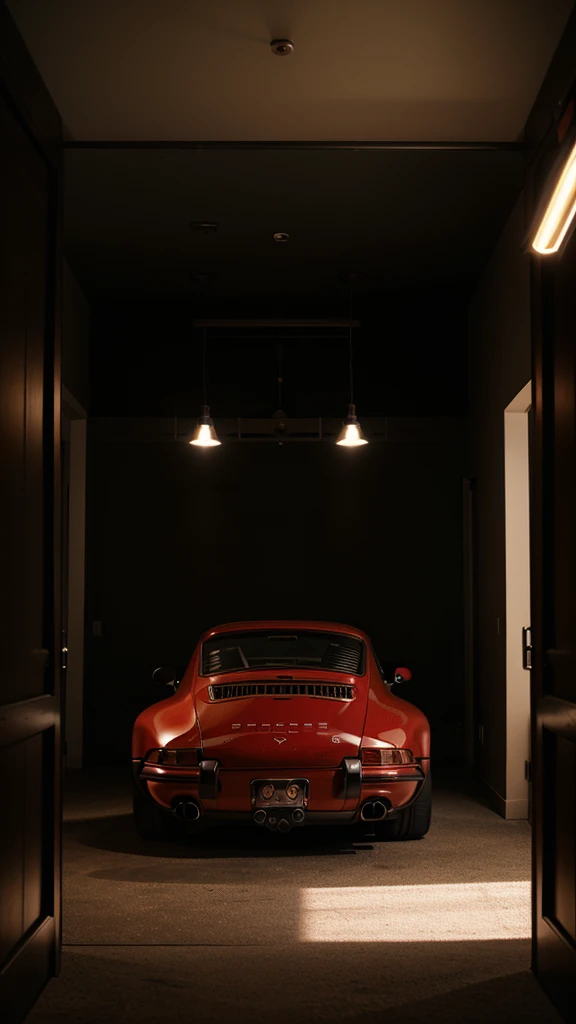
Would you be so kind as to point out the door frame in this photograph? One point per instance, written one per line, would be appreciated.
(553, 953)
(36, 957)
(74, 452)
(517, 472)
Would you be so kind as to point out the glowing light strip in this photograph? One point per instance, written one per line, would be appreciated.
(464, 912)
(559, 212)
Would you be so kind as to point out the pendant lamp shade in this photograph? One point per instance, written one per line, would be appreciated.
(205, 435)
(351, 435)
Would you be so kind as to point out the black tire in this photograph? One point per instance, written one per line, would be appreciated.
(414, 822)
(151, 822)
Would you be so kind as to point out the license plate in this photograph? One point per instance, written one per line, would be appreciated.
(279, 793)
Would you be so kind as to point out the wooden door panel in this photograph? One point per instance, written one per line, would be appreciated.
(25, 214)
(549, 137)
(559, 890)
(554, 626)
(30, 754)
(21, 848)
(11, 861)
(35, 798)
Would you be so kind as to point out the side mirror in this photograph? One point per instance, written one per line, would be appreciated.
(165, 675)
(402, 675)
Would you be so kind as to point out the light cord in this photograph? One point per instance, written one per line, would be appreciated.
(350, 343)
(204, 366)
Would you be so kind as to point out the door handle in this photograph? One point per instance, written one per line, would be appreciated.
(64, 650)
(527, 648)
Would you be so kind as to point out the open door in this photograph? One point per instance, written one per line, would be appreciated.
(30, 754)
(553, 562)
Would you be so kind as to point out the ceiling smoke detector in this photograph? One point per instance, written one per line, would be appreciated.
(281, 236)
(282, 47)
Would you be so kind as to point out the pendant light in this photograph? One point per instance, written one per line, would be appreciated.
(205, 435)
(351, 435)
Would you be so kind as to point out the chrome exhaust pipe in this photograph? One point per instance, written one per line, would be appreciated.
(186, 810)
(260, 817)
(373, 810)
(297, 815)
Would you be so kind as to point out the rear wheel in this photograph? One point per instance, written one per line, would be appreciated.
(150, 821)
(414, 822)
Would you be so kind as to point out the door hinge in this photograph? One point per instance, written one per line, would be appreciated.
(528, 771)
(527, 648)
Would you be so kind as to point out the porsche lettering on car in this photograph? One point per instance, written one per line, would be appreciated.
(282, 724)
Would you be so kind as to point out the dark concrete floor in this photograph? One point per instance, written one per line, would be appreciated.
(246, 926)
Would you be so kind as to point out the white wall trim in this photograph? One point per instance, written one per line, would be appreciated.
(523, 400)
(512, 810)
(517, 523)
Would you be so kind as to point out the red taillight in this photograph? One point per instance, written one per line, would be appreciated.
(386, 755)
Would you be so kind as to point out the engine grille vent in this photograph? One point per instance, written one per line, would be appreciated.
(330, 691)
(341, 658)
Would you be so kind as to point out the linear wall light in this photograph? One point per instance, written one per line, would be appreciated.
(560, 210)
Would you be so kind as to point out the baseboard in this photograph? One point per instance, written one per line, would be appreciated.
(517, 809)
(512, 810)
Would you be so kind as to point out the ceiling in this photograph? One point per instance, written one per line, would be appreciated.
(361, 70)
(397, 218)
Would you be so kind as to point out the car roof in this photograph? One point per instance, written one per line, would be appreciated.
(259, 624)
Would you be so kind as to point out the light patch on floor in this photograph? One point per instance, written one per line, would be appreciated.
(472, 911)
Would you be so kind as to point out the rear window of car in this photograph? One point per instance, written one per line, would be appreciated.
(283, 649)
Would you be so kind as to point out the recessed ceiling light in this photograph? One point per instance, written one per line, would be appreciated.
(206, 226)
(281, 236)
(282, 47)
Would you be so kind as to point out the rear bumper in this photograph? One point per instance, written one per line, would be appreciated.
(335, 795)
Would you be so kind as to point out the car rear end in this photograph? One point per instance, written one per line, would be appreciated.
(278, 734)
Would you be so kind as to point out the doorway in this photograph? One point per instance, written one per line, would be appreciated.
(517, 525)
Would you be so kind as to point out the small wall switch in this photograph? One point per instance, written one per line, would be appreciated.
(96, 628)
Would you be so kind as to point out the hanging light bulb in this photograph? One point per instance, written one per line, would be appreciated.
(205, 435)
(351, 435)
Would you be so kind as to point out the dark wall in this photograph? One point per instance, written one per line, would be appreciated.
(181, 539)
(75, 339)
(410, 358)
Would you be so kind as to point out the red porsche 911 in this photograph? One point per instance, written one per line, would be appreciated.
(280, 724)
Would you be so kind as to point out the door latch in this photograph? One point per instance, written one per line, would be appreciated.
(64, 650)
(527, 647)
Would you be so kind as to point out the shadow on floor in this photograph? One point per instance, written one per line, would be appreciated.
(117, 834)
(305, 982)
(515, 997)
